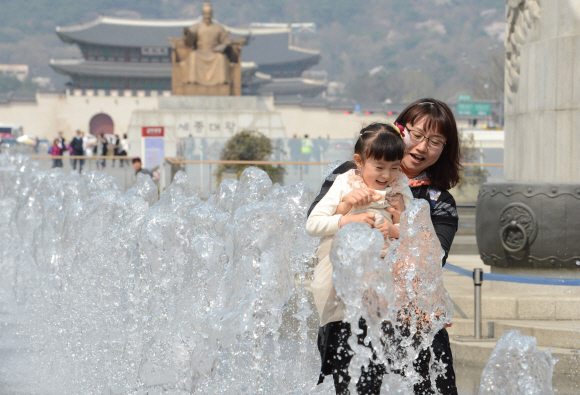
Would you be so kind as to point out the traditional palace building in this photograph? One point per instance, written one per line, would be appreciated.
(126, 54)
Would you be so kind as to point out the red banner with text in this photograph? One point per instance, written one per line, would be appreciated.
(152, 131)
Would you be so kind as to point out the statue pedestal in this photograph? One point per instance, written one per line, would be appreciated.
(198, 127)
(530, 225)
(215, 119)
(201, 90)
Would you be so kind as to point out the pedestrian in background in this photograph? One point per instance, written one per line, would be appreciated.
(136, 163)
(61, 141)
(87, 149)
(77, 150)
(125, 147)
(104, 149)
(118, 150)
(294, 145)
(56, 150)
(306, 150)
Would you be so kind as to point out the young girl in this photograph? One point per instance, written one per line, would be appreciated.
(56, 150)
(359, 195)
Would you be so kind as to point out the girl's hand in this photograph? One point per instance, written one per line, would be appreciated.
(396, 208)
(367, 218)
(389, 230)
(361, 197)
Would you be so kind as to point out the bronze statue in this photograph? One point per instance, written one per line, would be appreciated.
(206, 61)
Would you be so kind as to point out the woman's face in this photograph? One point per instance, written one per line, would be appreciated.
(420, 156)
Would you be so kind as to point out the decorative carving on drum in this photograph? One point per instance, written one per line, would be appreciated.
(518, 228)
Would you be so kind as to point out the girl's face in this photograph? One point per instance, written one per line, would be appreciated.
(420, 156)
(377, 174)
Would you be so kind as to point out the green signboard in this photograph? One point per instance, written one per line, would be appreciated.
(473, 109)
(463, 97)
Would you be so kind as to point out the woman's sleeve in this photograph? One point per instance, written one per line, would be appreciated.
(346, 166)
(445, 221)
(323, 220)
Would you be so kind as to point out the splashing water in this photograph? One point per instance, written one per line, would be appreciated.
(111, 292)
(517, 367)
(104, 292)
(330, 168)
(406, 290)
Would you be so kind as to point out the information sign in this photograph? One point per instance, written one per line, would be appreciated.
(153, 152)
(473, 109)
(152, 131)
(463, 97)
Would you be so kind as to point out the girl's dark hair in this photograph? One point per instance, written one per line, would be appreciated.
(443, 174)
(381, 142)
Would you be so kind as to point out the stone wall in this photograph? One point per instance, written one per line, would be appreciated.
(52, 113)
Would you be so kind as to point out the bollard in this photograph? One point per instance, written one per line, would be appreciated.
(477, 281)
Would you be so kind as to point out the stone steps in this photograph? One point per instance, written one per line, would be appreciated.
(500, 306)
(562, 337)
(464, 242)
(549, 313)
(563, 334)
(464, 327)
(475, 354)
(466, 220)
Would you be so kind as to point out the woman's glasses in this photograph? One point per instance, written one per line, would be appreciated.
(432, 142)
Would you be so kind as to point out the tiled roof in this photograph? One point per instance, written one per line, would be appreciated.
(111, 69)
(125, 69)
(265, 46)
(292, 86)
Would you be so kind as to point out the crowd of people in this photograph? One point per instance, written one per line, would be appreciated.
(83, 145)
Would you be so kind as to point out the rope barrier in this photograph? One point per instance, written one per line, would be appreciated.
(458, 270)
(94, 157)
(180, 161)
(516, 279)
(478, 277)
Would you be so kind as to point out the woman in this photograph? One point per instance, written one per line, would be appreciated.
(102, 141)
(432, 166)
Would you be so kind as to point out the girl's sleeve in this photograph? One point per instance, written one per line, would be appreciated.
(322, 220)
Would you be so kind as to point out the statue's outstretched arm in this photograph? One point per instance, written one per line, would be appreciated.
(225, 41)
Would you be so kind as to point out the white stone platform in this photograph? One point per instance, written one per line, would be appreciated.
(205, 117)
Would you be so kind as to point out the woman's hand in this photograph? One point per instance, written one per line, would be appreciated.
(389, 230)
(367, 218)
(396, 208)
(361, 197)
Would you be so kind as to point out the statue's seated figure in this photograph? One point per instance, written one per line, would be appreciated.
(206, 61)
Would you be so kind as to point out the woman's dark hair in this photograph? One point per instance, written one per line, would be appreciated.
(443, 174)
(381, 142)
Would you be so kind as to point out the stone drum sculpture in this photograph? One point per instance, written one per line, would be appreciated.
(206, 61)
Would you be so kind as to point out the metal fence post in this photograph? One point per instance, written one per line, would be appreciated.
(477, 281)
